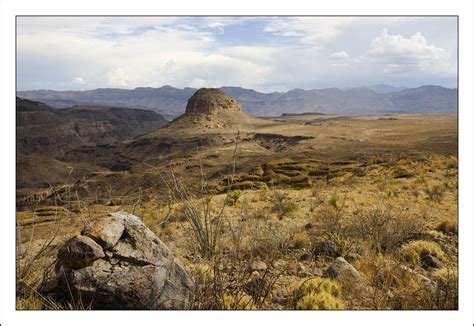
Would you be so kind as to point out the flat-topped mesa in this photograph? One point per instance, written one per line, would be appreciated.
(210, 101)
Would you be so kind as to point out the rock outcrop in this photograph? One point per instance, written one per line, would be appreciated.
(118, 263)
(209, 109)
(211, 100)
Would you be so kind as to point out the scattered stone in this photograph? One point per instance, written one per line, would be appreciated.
(317, 272)
(327, 248)
(258, 265)
(341, 270)
(279, 264)
(141, 273)
(429, 261)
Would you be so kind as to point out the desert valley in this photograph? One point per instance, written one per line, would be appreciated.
(308, 209)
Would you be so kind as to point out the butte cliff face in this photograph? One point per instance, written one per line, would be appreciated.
(211, 101)
(212, 110)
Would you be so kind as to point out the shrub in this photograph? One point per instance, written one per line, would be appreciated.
(402, 173)
(448, 226)
(321, 301)
(203, 273)
(232, 302)
(300, 240)
(435, 193)
(234, 197)
(333, 201)
(445, 277)
(282, 206)
(317, 294)
(413, 251)
(386, 228)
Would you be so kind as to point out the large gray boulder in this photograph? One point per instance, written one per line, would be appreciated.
(118, 263)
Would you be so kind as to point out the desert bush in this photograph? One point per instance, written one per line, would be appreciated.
(448, 226)
(269, 239)
(282, 204)
(447, 280)
(232, 302)
(317, 294)
(401, 172)
(435, 193)
(385, 228)
(413, 251)
(234, 197)
(203, 273)
(333, 201)
(329, 220)
(300, 240)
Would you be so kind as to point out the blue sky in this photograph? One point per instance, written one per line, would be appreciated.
(264, 53)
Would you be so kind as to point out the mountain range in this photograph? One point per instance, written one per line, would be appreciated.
(171, 102)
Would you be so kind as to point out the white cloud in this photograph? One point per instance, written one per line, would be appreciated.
(79, 81)
(340, 56)
(307, 29)
(269, 54)
(402, 54)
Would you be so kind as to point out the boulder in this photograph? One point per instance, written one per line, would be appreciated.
(341, 270)
(118, 263)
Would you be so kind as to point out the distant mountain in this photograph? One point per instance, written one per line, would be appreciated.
(171, 102)
(384, 88)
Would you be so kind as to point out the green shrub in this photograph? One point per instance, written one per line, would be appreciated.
(234, 196)
(333, 201)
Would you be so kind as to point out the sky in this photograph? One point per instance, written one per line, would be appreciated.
(262, 53)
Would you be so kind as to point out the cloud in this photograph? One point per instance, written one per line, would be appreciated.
(264, 53)
(79, 81)
(340, 56)
(403, 54)
(307, 29)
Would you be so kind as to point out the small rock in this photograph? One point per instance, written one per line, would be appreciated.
(258, 265)
(105, 231)
(305, 256)
(341, 270)
(317, 272)
(80, 252)
(430, 261)
(327, 248)
(279, 263)
(255, 274)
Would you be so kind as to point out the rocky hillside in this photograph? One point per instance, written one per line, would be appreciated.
(47, 130)
(44, 135)
(171, 102)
